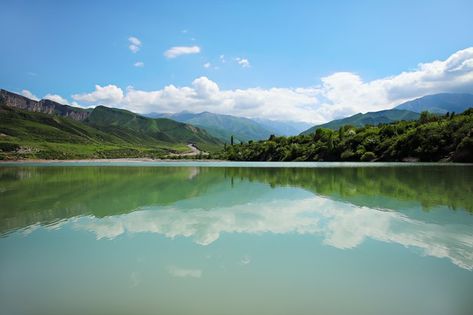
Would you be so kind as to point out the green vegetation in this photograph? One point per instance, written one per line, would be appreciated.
(106, 133)
(372, 118)
(430, 138)
(223, 126)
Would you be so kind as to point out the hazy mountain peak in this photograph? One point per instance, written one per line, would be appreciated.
(439, 103)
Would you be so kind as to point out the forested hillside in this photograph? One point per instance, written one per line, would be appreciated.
(430, 138)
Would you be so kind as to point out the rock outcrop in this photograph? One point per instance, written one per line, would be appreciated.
(44, 106)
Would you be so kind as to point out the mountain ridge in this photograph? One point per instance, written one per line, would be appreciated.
(222, 126)
(52, 130)
(370, 118)
(43, 106)
(439, 103)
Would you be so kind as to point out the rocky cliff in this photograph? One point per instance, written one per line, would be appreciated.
(44, 106)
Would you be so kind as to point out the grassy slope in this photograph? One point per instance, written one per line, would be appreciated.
(26, 134)
(135, 128)
(371, 118)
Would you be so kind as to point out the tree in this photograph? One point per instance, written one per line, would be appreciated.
(424, 117)
(231, 140)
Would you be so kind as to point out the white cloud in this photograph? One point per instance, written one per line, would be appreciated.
(135, 44)
(139, 64)
(177, 51)
(207, 65)
(29, 95)
(184, 273)
(340, 224)
(222, 59)
(205, 95)
(339, 94)
(243, 62)
(107, 95)
(56, 98)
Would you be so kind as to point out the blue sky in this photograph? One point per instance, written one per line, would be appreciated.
(65, 48)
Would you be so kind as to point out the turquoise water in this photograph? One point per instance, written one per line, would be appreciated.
(259, 238)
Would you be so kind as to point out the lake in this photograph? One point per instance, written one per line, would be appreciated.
(236, 238)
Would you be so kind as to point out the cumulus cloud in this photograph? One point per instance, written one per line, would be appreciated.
(207, 65)
(135, 44)
(28, 94)
(177, 51)
(339, 94)
(107, 95)
(205, 95)
(243, 62)
(139, 64)
(56, 98)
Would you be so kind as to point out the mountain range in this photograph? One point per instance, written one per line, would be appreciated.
(439, 103)
(46, 129)
(221, 126)
(370, 118)
(241, 128)
(435, 103)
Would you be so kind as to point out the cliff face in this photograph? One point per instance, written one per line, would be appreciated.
(43, 106)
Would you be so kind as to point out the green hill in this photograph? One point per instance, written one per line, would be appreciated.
(222, 126)
(135, 128)
(371, 118)
(104, 133)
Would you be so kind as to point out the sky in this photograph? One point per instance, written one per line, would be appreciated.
(310, 61)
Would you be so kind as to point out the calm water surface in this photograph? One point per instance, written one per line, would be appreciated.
(266, 239)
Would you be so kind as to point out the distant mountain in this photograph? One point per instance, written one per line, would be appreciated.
(222, 126)
(439, 103)
(371, 118)
(283, 127)
(46, 129)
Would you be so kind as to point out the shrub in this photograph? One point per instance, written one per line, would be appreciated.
(9, 147)
(368, 156)
(347, 154)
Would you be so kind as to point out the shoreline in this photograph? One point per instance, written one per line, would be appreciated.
(120, 160)
(183, 161)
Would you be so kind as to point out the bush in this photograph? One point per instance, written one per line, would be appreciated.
(9, 147)
(368, 156)
(347, 154)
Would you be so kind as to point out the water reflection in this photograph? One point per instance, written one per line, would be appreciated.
(410, 206)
